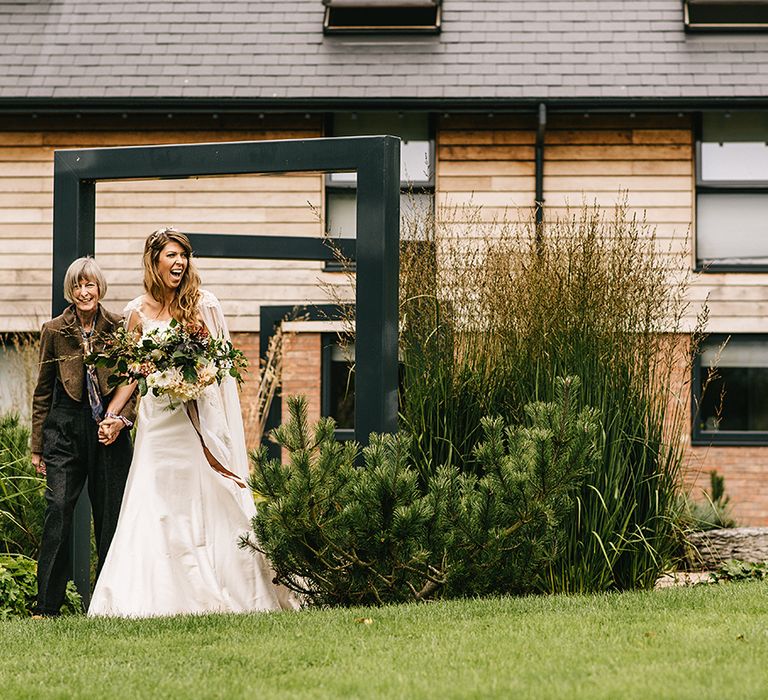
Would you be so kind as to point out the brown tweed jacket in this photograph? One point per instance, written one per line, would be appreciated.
(61, 357)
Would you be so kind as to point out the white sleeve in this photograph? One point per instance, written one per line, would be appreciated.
(212, 314)
(227, 442)
(132, 308)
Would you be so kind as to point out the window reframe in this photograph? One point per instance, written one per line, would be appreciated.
(731, 438)
(382, 8)
(715, 187)
(327, 343)
(723, 25)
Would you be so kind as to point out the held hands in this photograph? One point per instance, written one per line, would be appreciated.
(38, 464)
(109, 429)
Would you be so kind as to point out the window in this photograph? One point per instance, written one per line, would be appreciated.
(732, 373)
(732, 192)
(417, 183)
(368, 16)
(725, 15)
(338, 384)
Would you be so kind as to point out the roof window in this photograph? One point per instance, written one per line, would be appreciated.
(725, 15)
(376, 16)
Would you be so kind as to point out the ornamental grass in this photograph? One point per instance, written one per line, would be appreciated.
(492, 313)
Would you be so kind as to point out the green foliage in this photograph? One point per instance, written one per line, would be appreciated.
(341, 534)
(737, 570)
(492, 313)
(511, 521)
(22, 511)
(713, 513)
(22, 502)
(18, 588)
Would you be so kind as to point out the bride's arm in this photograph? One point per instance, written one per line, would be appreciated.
(119, 398)
(114, 422)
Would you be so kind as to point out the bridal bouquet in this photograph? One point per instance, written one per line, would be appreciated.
(178, 361)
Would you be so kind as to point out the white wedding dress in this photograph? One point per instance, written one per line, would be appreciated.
(175, 549)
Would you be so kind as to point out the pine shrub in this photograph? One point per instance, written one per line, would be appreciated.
(342, 534)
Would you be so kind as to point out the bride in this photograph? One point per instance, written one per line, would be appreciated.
(175, 549)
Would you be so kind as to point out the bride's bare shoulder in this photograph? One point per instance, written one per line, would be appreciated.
(142, 303)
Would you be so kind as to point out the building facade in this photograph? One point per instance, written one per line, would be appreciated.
(501, 104)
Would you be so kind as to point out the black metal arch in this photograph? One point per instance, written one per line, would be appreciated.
(375, 159)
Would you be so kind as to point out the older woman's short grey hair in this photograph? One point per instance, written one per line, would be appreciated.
(84, 269)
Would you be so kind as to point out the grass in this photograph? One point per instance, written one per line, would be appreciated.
(492, 312)
(701, 642)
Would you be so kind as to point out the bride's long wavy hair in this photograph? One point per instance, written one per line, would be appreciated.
(184, 304)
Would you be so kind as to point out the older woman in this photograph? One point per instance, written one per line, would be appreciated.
(68, 405)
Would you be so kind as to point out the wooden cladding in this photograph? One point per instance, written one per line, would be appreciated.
(599, 159)
(485, 161)
(488, 161)
(288, 204)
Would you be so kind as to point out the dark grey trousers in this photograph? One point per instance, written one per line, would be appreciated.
(73, 455)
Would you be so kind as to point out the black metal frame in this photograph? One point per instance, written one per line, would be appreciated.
(420, 186)
(541, 132)
(732, 438)
(376, 159)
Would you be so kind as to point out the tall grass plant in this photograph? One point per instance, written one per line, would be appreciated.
(22, 502)
(18, 372)
(492, 313)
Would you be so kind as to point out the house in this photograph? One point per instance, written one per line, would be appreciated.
(504, 103)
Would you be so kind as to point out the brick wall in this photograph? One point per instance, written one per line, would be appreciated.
(745, 469)
(746, 478)
(301, 371)
(249, 344)
(301, 375)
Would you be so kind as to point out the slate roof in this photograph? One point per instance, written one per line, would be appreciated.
(275, 51)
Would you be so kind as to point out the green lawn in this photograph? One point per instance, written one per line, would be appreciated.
(701, 642)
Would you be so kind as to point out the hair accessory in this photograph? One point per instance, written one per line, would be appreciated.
(157, 234)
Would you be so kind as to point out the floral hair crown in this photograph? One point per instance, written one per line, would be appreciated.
(153, 237)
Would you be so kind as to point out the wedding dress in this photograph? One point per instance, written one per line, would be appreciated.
(175, 549)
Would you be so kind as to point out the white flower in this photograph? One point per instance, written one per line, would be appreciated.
(165, 380)
(207, 374)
